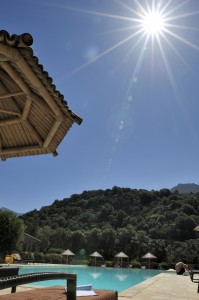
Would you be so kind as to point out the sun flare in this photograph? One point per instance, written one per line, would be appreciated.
(153, 23)
(154, 26)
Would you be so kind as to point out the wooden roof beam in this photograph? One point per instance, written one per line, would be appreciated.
(26, 109)
(28, 103)
(8, 95)
(10, 112)
(33, 132)
(14, 55)
(10, 121)
(20, 149)
(40, 87)
(52, 132)
(42, 104)
(37, 99)
(16, 77)
(23, 86)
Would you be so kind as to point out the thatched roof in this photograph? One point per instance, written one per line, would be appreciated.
(96, 254)
(34, 117)
(67, 252)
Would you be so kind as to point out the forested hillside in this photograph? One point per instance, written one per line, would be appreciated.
(121, 219)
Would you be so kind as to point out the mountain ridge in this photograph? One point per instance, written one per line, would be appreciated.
(183, 188)
(7, 209)
(186, 188)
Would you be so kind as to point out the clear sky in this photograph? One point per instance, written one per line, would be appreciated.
(131, 71)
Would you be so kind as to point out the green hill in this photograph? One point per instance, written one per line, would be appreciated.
(120, 219)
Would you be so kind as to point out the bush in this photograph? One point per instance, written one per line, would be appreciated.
(53, 258)
(39, 255)
(109, 263)
(55, 250)
(85, 262)
(136, 264)
(163, 266)
(25, 255)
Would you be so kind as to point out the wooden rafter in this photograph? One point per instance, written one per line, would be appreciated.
(6, 111)
(34, 117)
(8, 95)
(33, 132)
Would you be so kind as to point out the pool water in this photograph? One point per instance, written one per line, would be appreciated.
(118, 279)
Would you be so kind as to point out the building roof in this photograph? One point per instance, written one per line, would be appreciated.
(34, 117)
(30, 237)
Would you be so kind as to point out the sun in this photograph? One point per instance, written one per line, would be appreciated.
(153, 23)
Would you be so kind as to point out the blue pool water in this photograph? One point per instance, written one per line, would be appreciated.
(118, 279)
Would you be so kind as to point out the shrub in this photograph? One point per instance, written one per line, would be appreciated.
(136, 264)
(163, 266)
(109, 263)
(53, 258)
(39, 255)
(55, 250)
(25, 255)
(85, 262)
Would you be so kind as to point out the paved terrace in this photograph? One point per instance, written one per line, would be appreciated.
(165, 286)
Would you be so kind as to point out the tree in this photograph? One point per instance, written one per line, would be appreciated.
(124, 237)
(78, 240)
(11, 232)
(44, 234)
(184, 227)
(93, 238)
(108, 239)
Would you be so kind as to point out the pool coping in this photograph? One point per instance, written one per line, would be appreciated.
(164, 286)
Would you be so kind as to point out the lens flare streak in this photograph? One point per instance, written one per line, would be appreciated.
(153, 21)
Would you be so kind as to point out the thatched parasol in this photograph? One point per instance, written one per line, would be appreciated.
(121, 255)
(149, 256)
(34, 117)
(95, 255)
(68, 253)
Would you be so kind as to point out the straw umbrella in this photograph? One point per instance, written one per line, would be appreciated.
(121, 255)
(95, 255)
(149, 256)
(68, 253)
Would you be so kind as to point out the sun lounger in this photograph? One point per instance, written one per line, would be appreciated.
(31, 260)
(58, 293)
(14, 281)
(193, 278)
(9, 271)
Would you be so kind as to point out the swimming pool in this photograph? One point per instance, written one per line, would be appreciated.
(118, 279)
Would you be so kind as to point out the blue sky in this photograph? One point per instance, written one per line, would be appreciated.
(137, 92)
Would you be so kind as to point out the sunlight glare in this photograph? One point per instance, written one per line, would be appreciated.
(159, 22)
(153, 23)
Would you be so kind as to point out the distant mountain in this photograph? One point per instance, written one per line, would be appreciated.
(186, 188)
(14, 212)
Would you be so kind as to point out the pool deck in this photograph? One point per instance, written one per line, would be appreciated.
(165, 286)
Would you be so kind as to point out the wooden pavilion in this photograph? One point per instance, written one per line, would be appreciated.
(34, 117)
